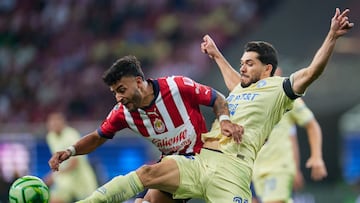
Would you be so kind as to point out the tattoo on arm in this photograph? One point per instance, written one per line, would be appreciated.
(221, 106)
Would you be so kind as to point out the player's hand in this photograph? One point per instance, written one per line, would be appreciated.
(208, 47)
(340, 23)
(48, 179)
(318, 168)
(233, 130)
(57, 159)
(298, 183)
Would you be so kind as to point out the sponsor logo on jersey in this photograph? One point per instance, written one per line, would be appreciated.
(172, 144)
(232, 99)
(243, 96)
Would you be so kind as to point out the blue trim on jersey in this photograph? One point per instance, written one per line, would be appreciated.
(252, 188)
(213, 97)
(103, 135)
(156, 89)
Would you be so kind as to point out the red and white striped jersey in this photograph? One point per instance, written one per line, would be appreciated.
(172, 122)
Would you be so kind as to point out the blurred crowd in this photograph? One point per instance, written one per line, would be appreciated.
(53, 53)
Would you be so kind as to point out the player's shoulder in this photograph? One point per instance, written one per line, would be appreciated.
(274, 81)
(170, 77)
(68, 130)
(117, 112)
(180, 80)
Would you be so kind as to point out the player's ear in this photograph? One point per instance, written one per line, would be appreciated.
(139, 81)
(268, 69)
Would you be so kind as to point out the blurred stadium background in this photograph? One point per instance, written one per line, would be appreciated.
(53, 53)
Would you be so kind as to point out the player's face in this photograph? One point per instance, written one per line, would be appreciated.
(251, 69)
(127, 92)
(55, 123)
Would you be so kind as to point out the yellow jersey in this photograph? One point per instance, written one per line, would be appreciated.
(258, 108)
(277, 154)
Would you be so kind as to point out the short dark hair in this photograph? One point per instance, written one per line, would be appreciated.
(125, 66)
(267, 53)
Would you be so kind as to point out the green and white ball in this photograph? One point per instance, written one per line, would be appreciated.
(29, 189)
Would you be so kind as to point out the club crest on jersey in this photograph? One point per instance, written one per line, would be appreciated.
(261, 83)
(159, 126)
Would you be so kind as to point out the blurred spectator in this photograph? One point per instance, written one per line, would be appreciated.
(46, 45)
(14, 163)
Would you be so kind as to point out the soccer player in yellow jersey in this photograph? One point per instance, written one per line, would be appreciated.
(276, 167)
(222, 171)
(77, 179)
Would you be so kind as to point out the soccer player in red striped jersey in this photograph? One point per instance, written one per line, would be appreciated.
(166, 111)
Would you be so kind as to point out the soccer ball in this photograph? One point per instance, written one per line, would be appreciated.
(29, 189)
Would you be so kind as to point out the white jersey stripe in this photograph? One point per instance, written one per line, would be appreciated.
(177, 98)
(181, 106)
(147, 122)
(165, 114)
(129, 119)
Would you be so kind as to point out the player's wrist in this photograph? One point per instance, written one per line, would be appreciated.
(224, 118)
(71, 150)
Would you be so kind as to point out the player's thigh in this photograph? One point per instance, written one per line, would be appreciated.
(140, 196)
(154, 195)
(258, 184)
(227, 189)
(275, 187)
(163, 175)
(61, 192)
(138, 200)
(84, 186)
(190, 171)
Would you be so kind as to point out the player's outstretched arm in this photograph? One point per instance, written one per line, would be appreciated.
(85, 145)
(315, 162)
(340, 25)
(230, 75)
(298, 183)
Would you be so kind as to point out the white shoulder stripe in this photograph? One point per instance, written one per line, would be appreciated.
(177, 98)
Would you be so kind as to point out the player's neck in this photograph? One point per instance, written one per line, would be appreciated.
(149, 94)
